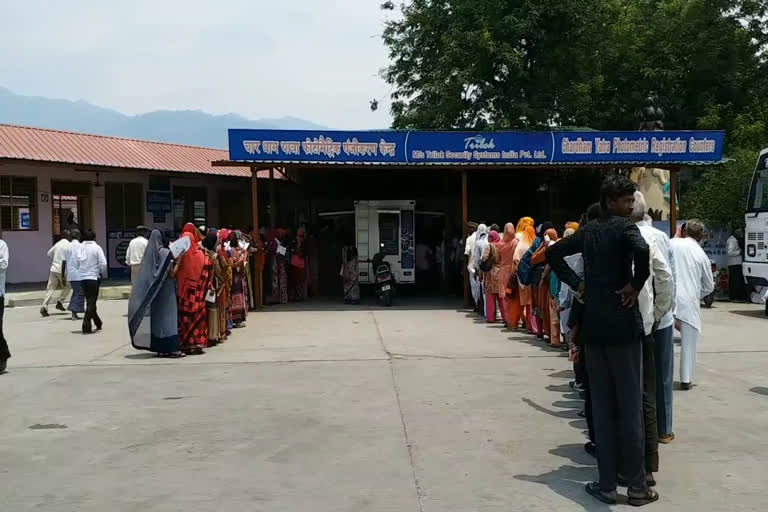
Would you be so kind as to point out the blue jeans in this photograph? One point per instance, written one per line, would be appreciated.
(665, 370)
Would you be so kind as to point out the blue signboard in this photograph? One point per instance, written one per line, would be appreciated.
(422, 147)
(317, 146)
(651, 147)
(159, 202)
(25, 221)
(469, 147)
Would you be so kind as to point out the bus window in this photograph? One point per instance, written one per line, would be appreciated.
(758, 194)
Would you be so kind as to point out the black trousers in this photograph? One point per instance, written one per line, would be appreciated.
(91, 292)
(580, 369)
(4, 352)
(737, 290)
(615, 378)
(649, 406)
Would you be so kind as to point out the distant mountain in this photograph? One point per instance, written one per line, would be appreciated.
(193, 127)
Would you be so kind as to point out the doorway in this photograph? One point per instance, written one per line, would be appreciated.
(72, 207)
(189, 205)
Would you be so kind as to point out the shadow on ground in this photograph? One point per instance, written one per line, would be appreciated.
(751, 313)
(369, 303)
(568, 480)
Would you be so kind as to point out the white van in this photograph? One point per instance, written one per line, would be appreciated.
(387, 227)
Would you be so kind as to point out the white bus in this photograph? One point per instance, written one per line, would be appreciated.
(756, 227)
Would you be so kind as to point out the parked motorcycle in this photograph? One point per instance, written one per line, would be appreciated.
(384, 281)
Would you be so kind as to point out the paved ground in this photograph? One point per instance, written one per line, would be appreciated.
(417, 408)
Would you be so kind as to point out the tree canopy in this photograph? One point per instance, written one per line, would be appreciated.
(534, 64)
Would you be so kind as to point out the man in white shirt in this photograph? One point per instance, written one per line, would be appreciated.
(5, 354)
(135, 252)
(736, 288)
(92, 267)
(693, 280)
(469, 252)
(57, 278)
(77, 301)
(655, 301)
(663, 341)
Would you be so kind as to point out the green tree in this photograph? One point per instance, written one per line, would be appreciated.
(530, 64)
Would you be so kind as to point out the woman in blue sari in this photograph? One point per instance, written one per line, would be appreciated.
(155, 293)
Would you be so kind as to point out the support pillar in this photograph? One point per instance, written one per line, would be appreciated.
(672, 202)
(272, 199)
(465, 230)
(257, 279)
(255, 198)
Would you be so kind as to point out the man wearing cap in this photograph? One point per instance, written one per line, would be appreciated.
(135, 252)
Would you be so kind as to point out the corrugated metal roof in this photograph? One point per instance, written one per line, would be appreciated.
(44, 145)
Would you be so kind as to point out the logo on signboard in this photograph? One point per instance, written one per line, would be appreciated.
(478, 142)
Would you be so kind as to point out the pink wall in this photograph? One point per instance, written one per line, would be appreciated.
(29, 261)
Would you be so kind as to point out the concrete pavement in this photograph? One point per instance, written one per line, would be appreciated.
(416, 408)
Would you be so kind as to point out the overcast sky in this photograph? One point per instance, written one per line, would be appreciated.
(314, 59)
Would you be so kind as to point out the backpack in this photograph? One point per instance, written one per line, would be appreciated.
(525, 270)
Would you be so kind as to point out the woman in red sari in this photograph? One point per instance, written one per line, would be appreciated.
(298, 291)
(194, 274)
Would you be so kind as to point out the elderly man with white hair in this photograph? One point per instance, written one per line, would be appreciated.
(655, 302)
(664, 331)
(693, 277)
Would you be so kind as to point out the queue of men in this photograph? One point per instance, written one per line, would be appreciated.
(78, 264)
(629, 286)
(633, 274)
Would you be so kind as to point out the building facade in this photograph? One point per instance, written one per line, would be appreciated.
(52, 180)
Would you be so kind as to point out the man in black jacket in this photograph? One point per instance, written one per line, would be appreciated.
(611, 330)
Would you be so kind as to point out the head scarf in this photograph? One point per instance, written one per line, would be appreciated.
(552, 234)
(505, 253)
(150, 291)
(572, 225)
(525, 228)
(481, 242)
(509, 233)
(494, 237)
(191, 263)
(210, 240)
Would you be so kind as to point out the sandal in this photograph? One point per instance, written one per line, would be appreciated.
(593, 489)
(649, 496)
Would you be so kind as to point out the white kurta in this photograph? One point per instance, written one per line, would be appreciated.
(693, 280)
(566, 297)
(656, 297)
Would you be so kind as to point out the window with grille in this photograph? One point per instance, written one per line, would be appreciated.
(18, 203)
(125, 205)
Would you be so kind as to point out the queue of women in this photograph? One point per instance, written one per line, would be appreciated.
(519, 289)
(189, 295)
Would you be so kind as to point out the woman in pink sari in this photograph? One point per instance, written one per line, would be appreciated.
(494, 288)
(505, 260)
